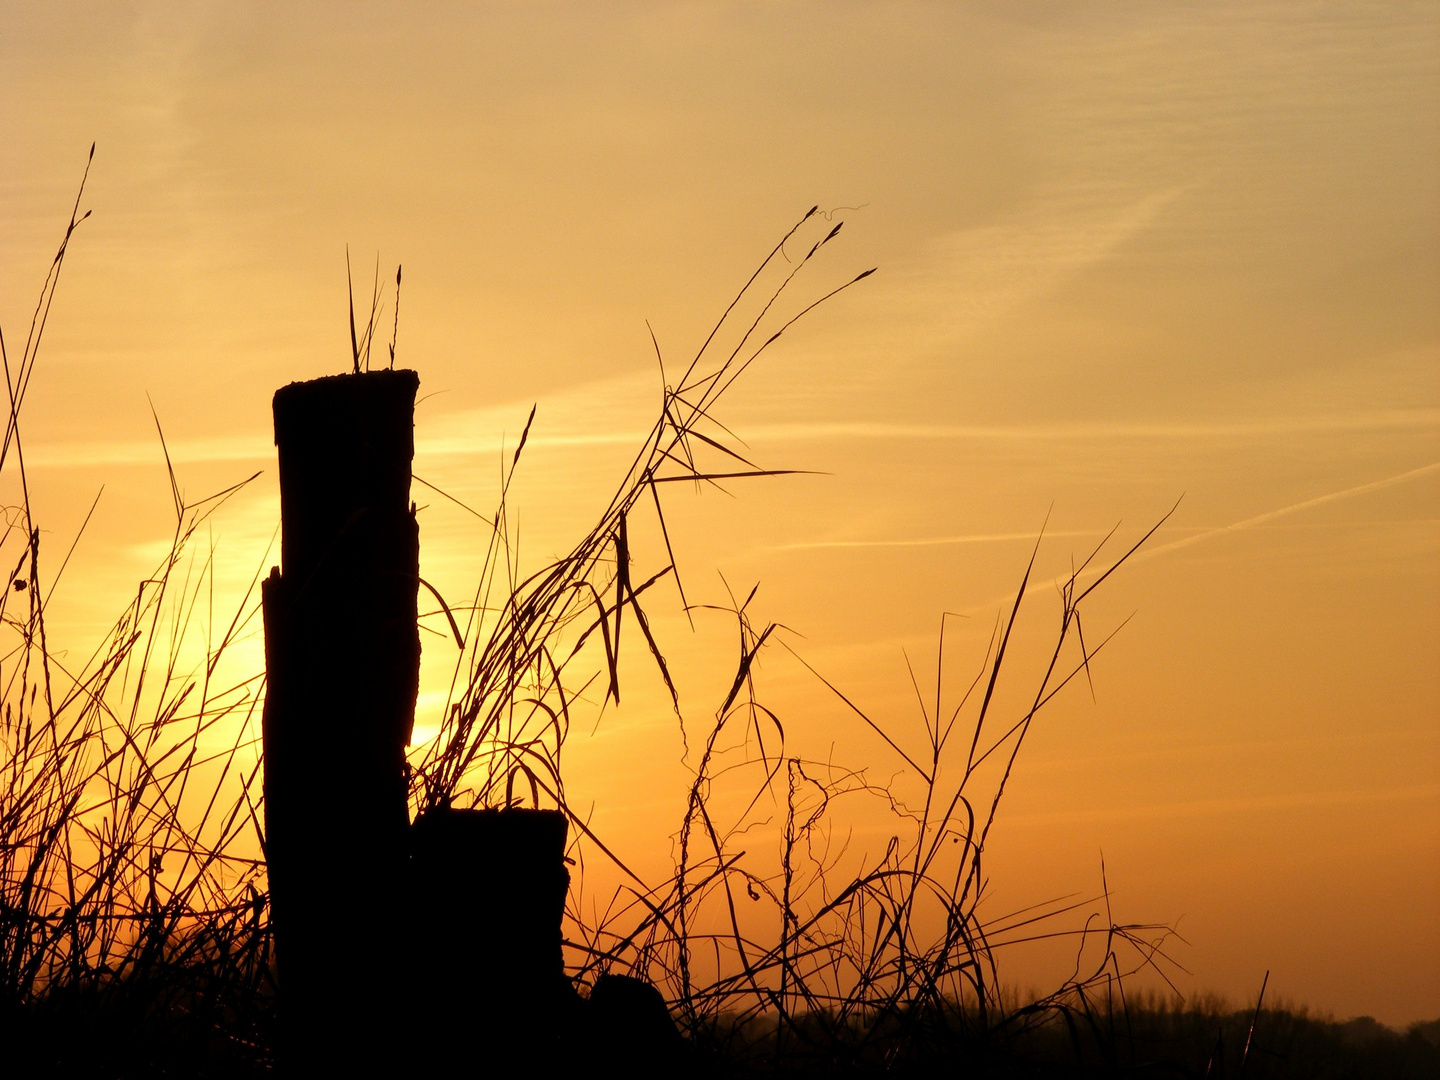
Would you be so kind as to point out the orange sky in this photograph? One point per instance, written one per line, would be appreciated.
(1127, 252)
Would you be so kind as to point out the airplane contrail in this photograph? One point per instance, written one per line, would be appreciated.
(1284, 511)
(1236, 526)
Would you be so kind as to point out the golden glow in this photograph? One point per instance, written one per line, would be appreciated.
(1126, 253)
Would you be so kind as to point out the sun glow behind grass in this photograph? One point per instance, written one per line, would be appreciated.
(817, 949)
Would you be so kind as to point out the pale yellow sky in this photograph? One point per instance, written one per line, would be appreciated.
(1127, 252)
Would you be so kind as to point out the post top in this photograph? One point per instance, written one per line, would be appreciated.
(345, 445)
(350, 390)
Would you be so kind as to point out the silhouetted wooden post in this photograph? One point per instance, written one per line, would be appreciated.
(342, 655)
(489, 979)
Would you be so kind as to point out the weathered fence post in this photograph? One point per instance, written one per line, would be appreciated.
(342, 655)
(489, 972)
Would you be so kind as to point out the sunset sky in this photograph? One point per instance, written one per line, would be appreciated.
(1129, 254)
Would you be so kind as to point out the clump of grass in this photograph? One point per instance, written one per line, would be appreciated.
(511, 703)
(132, 886)
(889, 962)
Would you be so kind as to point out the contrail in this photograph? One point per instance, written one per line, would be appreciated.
(1319, 500)
(1259, 519)
(1237, 526)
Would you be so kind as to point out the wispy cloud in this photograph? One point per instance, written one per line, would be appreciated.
(84, 455)
(1379, 420)
(486, 432)
(935, 541)
(972, 277)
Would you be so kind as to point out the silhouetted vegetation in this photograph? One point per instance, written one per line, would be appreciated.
(1148, 1038)
(135, 935)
